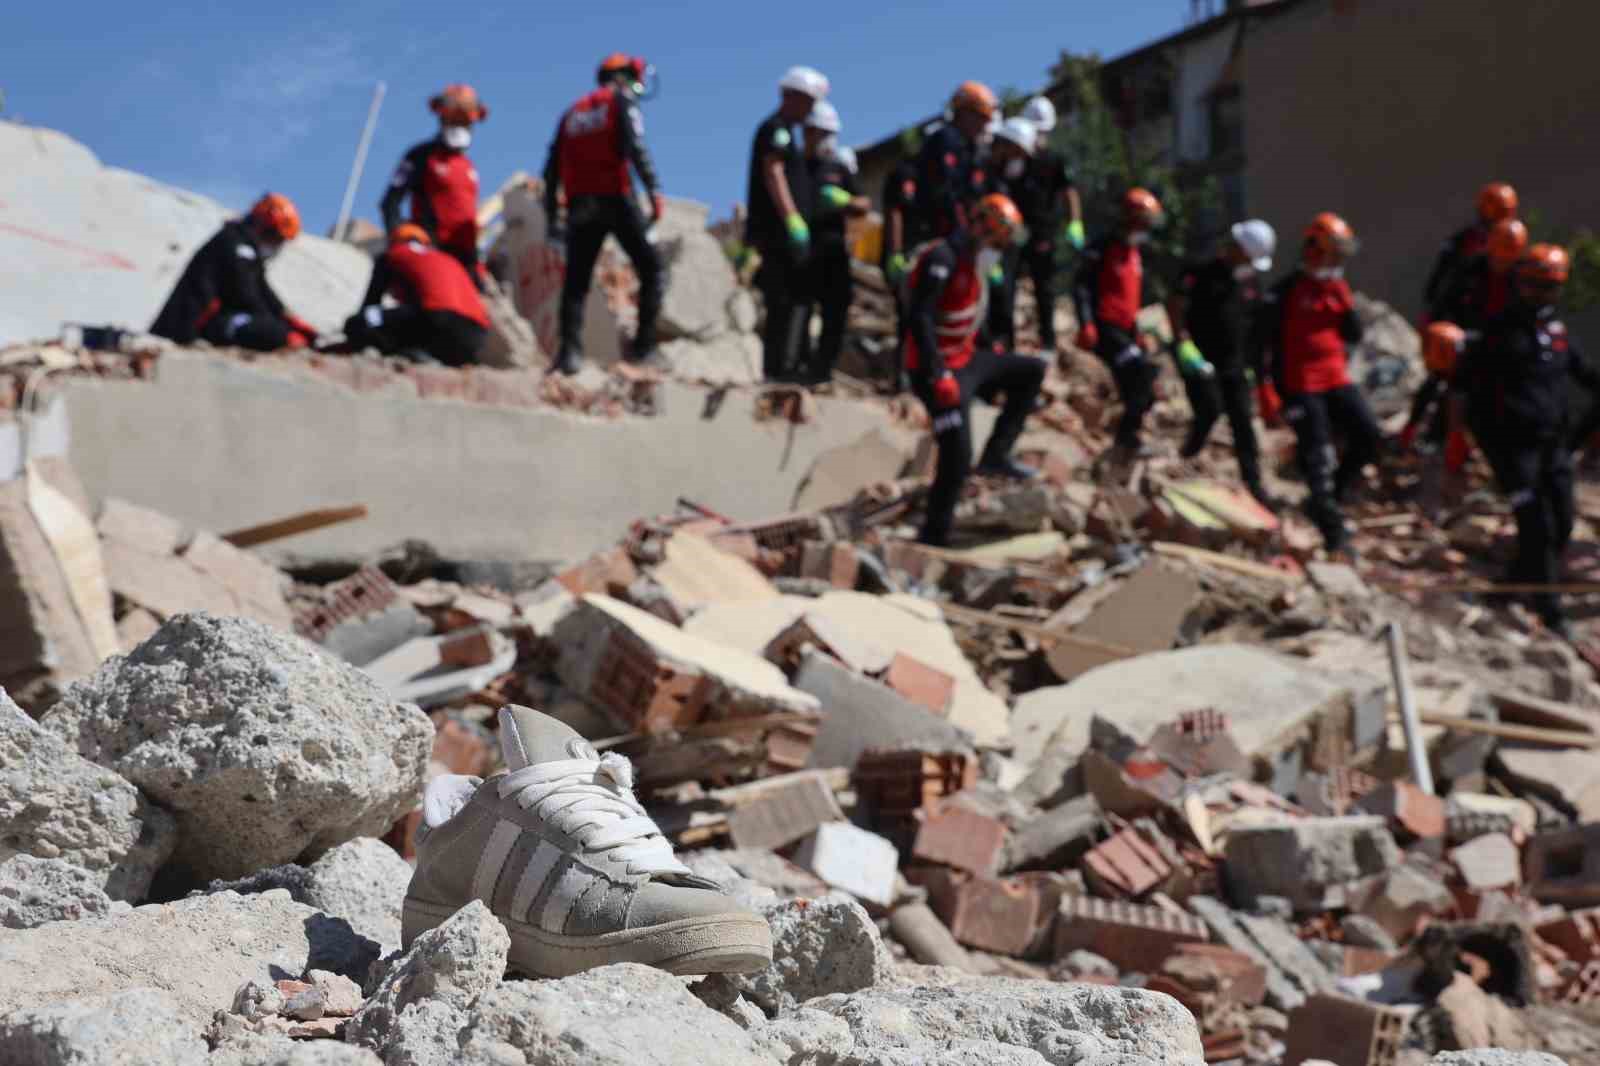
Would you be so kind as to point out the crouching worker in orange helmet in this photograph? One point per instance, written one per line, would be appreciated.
(437, 313)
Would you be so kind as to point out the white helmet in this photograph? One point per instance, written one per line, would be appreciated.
(1020, 132)
(1257, 240)
(846, 155)
(805, 80)
(824, 116)
(1042, 113)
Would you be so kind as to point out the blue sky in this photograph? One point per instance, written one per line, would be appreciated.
(232, 99)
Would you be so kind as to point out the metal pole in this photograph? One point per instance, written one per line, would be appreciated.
(1408, 708)
(360, 162)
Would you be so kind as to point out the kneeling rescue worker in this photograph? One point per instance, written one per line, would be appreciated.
(223, 295)
(597, 141)
(441, 182)
(439, 312)
(948, 291)
(1514, 393)
(1308, 323)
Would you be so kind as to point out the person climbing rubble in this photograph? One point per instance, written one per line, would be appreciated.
(1512, 391)
(440, 181)
(1010, 152)
(1308, 324)
(775, 227)
(438, 313)
(599, 143)
(1211, 310)
(223, 295)
(834, 199)
(949, 180)
(1052, 211)
(948, 290)
(1496, 203)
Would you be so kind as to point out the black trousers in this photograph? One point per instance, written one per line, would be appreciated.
(1037, 261)
(1226, 393)
(1135, 375)
(590, 219)
(1429, 409)
(452, 339)
(786, 293)
(988, 374)
(1315, 418)
(240, 329)
(832, 288)
(1536, 476)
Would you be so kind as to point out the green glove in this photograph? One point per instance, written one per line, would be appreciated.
(799, 232)
(1075, 234)
(895, 269)
(1191, 362)
(997, 275)
(835, 198)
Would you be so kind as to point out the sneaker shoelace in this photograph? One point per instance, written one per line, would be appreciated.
(592, 802)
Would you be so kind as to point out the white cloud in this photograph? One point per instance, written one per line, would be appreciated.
(273, 101)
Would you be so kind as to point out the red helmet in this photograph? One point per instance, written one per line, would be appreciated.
(409, 231)
(1496, 201)
(276, 214)
(1507, 241)
(621, 63)
(975, 96)
(1441, 345)
(1141, 209)
(996, 219)
(459, 105)
(1329, 240)
(1545, 264)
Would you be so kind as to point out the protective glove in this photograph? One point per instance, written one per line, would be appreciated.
(1457, 449)
(297, 339)
(799, 232)
(1074, 234)
(894, 271)
(658, 206)
(834, 198)
(1088, 337)
(1191, 362)
(1269, 403)
(301, 326)
(946, 391)
(1408, 436)
(997, 275)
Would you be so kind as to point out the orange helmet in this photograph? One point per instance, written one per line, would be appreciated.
(996, 219)
(975, 96)
(459, 105)
(409, 231)
(1441, 345)
(1329, 239)
(1545, 264)
(1496, 201)
(1141, 209)
(1507, 241)
(620, 63)
(276, 214)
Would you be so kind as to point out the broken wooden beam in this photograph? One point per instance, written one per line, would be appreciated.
(294, 525)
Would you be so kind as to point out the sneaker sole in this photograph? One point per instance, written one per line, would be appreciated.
(732, 943)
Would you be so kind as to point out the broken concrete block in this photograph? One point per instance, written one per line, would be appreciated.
(1412, 813)
(1308, 859)
(1407, 896)
(854, 860)
(1293, 971)
(1126, 866)
(609, 572)
(1134, 937)
(863, 714)
(1338, 580)
(1053, 839)
(1488, 862)
(1009, 916)
(957, 836)
(138, 527)
(788, 648)
(1564, 866)
(1142, 614)
(920, 683)
(835, 562)
(361, 617)
(783, 810)
(838, 474)
(1344, 1032)
(695, 573)
(257, 587)
(893, 788)
(139, 1025)
(1570, 778)
(448, 683)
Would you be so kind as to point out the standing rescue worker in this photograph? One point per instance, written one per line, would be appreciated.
(900, 235)
(778, 186)
(948, 289)
(438, 311)
(1308, 323)
(1497, 201)
(1108, 293)
(949, 180)
(598, 140)
(1052, 211)
(1513, 388)
(441, 182)
(834, 195)
(223, 296)
(1211, 311)
(1010, 151)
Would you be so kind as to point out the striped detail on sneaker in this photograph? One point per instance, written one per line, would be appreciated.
(493, 860)
(534, 877)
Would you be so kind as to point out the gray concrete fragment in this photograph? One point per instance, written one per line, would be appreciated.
(139, 1025)
(1307, 860)
(36, 891)
(861, 714)
(1495, 1057)
(364, 882)
(1292, 971)
(1050, 839)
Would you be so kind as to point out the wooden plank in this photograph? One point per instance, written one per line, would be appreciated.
(293, 525)
(1527, 734)
(1217, 560)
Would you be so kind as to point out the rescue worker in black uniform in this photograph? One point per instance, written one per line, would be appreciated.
(1497, 201)
(223, 296)
(949, 179)
(598, 143)
(900, 237)
(948, 367)
(776, 228)
(441, 183)
(1051, 210)
(834, 197)
(437, 314)
(1512, 389)
(1010, 151)
(1211, 310)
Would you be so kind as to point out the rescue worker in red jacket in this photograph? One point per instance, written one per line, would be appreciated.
(437, 313)
(1308, 324)
(1108, 292)
(223, 296)
(598, 144)
(441, 182)
(1512, 388)
(1497, 202)
(948, 368)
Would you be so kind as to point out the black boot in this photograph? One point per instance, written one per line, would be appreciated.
(1262, 496)
(1195, 440)
(568, 360)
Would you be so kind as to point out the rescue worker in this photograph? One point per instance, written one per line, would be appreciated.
(1010, 150)
(900, 235)
(597, 141)
(949, 369)
(441, 182)
(223, 296)
(1108, 293)
(834, 197)
(1513, 392)
(1211, 311)
(778, 186)
(1497, 201)
(949, 179)
(1308, 324)
(1479, 290)
(438, 311)
(1052, 211)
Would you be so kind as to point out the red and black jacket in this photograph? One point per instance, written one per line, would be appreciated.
(949, 181)
(1462, 247)
(1304, 333)
(423, 277)
(1109, 287)
(442, 185)
(1517, 377)
(947, 305)
(227, 276)
(596, 140)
